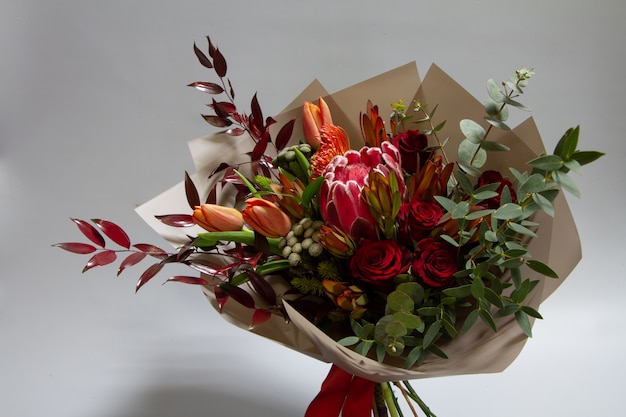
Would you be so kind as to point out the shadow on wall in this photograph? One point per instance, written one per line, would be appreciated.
(195, 401)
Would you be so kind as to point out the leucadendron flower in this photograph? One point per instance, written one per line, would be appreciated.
(266, 218)
(216, 218)
(313, 118)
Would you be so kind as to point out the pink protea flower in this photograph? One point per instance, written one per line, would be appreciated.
(341, 199)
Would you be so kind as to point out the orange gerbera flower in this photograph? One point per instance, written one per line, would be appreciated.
(333, 142)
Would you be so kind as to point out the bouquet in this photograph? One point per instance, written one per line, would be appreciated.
(412, 240)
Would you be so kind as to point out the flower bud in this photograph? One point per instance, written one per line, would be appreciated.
(313, 118)
(216, 218)
(266, 218)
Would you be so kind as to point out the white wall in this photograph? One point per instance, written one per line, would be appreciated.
(94, 119)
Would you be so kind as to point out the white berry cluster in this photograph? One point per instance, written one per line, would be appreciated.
(302, 240)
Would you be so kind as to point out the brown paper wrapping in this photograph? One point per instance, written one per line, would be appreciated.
(480, 350)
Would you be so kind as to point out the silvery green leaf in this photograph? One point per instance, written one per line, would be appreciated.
(460, 210)
(465, 182)
(518, 228)
(348, 341)
(491, 236)
(495, 92)
(544, 204)
(517, 104)
(478, 214)
(469, 169)
(446, 203)
(573, 165)
(472, 130)
(513, 86)
(542, 268)
(567, 183)
(508, 211)
(533, 184)
(450, 240)
(523, 322)
(491, 107)
(547, 162)
(489, 145)
(497, 123)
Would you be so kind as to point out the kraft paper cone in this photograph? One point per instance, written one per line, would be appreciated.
(480, 350)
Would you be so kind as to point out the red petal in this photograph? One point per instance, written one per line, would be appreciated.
(188, 280)
(90, 232)
(101, 258)
(76, 247)
(260, 316)
(130, 260)
(113, 232)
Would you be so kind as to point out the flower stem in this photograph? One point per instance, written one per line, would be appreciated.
(392, 406)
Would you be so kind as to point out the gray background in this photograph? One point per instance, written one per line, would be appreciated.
(94, 119)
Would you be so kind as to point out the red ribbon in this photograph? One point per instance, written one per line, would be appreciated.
(350, 395)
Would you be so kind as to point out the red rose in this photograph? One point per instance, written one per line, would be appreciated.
(377, 262)
(492, 177)
(411, 144)
(418, 218)
(435, 263)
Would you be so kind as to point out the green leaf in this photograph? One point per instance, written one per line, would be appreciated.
(518, 228)
(413, 290)
(464, 182)
(431, 334)
(311, 191)
(566, 182)
(542, 268)
(533, 184)
(348, 341)
(523, 322)
(487, 318)
(489, 145)
(363, 348)
(395, 329)
(459, 292)
(472, 131)
(573, 165)
(531, 312)
(517, 104)
(478, 214)
(413, 357)
(491, 107)
(470, 320)
(461, 210)
(566, 146)
(477, 288)
(497, 123)
(508, 211)
(495, 92)
(450, 240)
(493, 298)
(410, 321)
(544, 203)
(586, 157)
(400, 301)
(429, 311)
(547, 162)
(446, 203)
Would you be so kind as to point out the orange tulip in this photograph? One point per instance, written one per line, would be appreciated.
(313, 118)
(216, 218)
(266, 218)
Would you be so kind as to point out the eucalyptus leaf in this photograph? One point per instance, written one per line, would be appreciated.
(544, 204)
(431, 334)
(542, 268)
(586, 157)
(348, 341)
(489, 145)
(508, 211)
(518, 228)
(533, 184)
(566, 182)
(497, 123)
(547, 162)
(523, 322)
(400, 301)
(495, 92)
(472, 131)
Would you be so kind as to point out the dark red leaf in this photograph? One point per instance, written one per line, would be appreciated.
(238, 294)
(211, 47)
(219, 168)
(113, 232)
(259, 317)
(183, 254)
(130, 260)
(216, 120)
(207, 87)
(90, 232)
(212, 197)
(148, 274)
(76, 247)
(203, 265)
(193, 198)
(206, 62)
(176, 220)
(257, 114)
(236, 131)
(151, 250)
(262, 287)
(188, 280)
(220, 63)
(232, 91)
(221, 297)
(223, 109)
(259, 150)
(101, 258)
(284, 135)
